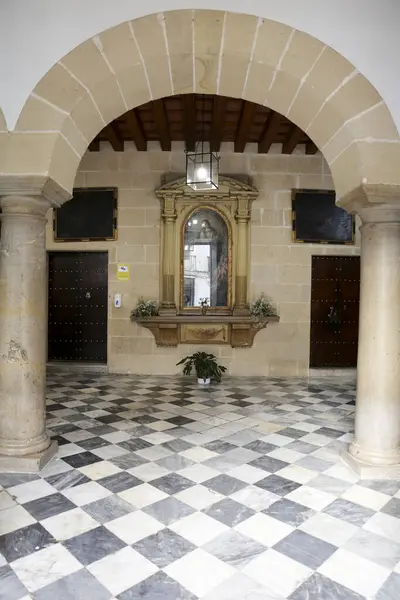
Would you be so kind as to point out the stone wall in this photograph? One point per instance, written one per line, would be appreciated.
(279, 268)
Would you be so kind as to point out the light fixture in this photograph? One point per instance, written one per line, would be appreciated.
(202, 165)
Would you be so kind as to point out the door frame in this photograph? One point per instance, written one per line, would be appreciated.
(74, 250)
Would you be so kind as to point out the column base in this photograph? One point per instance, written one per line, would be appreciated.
(31, 463)
(370, 471)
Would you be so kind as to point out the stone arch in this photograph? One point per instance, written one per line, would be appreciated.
(213, 52)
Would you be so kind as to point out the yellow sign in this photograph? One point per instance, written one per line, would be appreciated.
(123, 272)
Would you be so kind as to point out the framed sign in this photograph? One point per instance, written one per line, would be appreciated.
(316, 219)
(91, 215)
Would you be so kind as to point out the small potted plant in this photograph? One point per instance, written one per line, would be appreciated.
(205, 365)
(261, 309)
(145, 308)
(204, 305)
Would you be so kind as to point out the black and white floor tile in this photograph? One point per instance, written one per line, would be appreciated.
(164, 490)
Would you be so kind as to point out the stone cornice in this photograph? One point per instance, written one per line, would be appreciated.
(228, 188)
(374, 203)
(34, 185)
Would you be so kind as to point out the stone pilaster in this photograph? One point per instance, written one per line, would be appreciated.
(168, 305)
(242, 255)
(375, 451)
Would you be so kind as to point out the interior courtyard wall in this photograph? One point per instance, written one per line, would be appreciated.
(280, 268)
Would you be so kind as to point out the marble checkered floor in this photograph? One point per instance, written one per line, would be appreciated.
(163, 490)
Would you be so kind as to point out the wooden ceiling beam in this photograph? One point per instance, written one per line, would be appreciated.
(311, 148)
(160, 117)
(292, 139)
(94, 145)
(135, 127)
(189, 120)
(270, 132)
(246, 118)
(217, 123)
(113, 135)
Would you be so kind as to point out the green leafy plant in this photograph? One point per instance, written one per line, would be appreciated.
(145, 308)
(262, 308)
(204, 364)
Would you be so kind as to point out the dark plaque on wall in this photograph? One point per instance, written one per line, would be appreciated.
(91, 215)
(316, 218)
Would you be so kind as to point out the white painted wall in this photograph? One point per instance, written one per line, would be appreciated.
(35, 34)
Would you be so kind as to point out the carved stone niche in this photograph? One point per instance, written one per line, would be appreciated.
(205, 241)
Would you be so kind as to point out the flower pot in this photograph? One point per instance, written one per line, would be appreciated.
(202, 381)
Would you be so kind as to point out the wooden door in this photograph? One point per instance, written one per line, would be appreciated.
(78, 291)
(335, 295)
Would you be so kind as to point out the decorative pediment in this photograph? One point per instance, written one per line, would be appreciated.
(228, 187)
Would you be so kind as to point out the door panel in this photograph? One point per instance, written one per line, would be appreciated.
(335, 294)
(78, 291)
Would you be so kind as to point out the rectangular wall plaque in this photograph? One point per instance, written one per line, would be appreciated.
(91, 215)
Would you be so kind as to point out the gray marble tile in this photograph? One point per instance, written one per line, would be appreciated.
(177, 445)
(260, 447)
(10, 586)
(293, 432)
(224, 484)
(229, 512)
(77, 586)
(169, 510)
(25, 541)
(172, 483)
(278, 485)
(267, 463)
(318, 587)
(389, 487)
(350, 512)
(11, 479)
(157, 587)
(234, 548)
(306, 549)
(299, 446)
(164, 547)
(289, 512)
(108, 509)
(93, 545)
(390, 589)
(373, 547)
(119, 482)
(128, 461)
(64, 481)
(42, 508)
(392, 508)
(219, 446)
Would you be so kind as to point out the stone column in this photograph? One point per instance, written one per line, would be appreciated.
(24, 443)
(168, 305)
(242, 257)
(375, 451)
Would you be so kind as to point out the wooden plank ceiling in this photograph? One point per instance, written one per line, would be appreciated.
(192, 117)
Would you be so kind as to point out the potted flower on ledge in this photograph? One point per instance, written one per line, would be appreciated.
(205, 365)
(261, 310)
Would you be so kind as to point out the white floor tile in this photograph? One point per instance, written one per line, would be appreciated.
(366, 497)
(329, 529)
(69, 524)
(86, 493)
(99, 470)
(133, 527)
(14, 518)
(198, 528)
(142, 495)
(148, 471)
(308, 496)
(199, 497)
(384, 525)
(122, 570)
(354, 572)
(199, 572)
(278, 572)
(45, 566)
(264, 529)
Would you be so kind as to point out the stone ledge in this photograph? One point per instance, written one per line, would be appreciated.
(172, 330)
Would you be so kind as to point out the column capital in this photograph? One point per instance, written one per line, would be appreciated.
(374, 203)
(34, 186)
(28, 206)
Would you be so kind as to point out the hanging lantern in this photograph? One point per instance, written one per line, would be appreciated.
(202, 165)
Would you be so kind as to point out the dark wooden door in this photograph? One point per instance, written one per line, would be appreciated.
(78, 291)
(335, 295)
